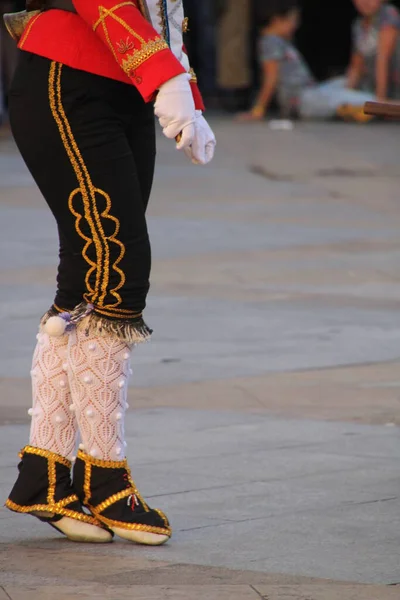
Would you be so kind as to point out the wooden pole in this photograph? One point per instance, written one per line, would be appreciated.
(382, 109)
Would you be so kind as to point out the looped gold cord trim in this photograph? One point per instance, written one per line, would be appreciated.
(98, 276)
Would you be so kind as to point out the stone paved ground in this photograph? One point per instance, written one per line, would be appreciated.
(264, 414)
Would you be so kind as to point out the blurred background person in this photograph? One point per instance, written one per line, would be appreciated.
(286, 75)
(375, 62)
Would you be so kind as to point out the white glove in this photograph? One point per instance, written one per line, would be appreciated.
(202, 149)
(176, 111)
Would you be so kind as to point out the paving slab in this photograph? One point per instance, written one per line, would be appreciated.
(255, 492)
(92, 592)
(76, 572)
(264, 414)
(322, 592)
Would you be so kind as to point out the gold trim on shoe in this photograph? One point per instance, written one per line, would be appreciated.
(56, 509)
(164, 517)
(107, 464)
(45, 454)
(134, 526)
(89, 462)
(113, 499)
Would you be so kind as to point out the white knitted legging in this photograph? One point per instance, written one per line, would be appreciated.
(80, 382)
(53, 425)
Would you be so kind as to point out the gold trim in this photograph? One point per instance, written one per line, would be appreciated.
(113, 499)
(109, 12)
(163, 18)
(109, 464)
(28, 29)
(86, 483)
(193, 76)
(91, 214)
(51, 469)
(139, 56)
(98, 462)
(81, 189)
(123, 46)
(45, 454)
(122, 314)
(65, 501)
(163, 516)
(58, 309)
(52, 508)
(134, 526)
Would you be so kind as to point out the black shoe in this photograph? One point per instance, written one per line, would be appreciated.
(106, 488)
(43, 489)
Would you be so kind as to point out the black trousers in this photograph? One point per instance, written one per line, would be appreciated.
(89, 143)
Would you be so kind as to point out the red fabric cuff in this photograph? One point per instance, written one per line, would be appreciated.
(155, 71)
(197, 97)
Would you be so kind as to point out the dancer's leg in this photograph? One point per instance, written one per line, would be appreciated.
(53, 424)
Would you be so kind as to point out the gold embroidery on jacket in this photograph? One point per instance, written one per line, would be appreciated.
(138, 55)
(124, 46)
(106, 12)
(98, 292)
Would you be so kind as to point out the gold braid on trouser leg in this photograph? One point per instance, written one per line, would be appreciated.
(104, 306)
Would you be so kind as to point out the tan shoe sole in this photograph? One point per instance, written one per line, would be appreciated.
(82, 532)
(141, 537)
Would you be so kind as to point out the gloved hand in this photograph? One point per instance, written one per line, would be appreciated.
(202, 149)
(176, 111)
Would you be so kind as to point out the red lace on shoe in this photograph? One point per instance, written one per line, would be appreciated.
(132, 501)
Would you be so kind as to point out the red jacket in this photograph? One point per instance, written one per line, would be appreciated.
(109, 39)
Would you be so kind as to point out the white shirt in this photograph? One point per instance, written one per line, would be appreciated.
(168, 19)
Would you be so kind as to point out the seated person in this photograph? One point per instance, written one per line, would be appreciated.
(375, 63)
(287, 75)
